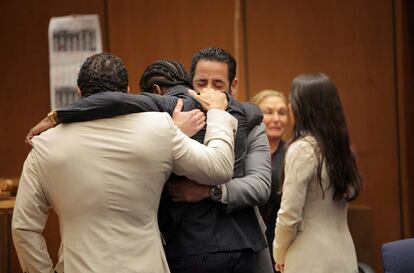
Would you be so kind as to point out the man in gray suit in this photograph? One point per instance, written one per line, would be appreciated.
(104, 180)
(220, 231)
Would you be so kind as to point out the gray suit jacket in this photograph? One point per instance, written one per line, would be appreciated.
(253, 189)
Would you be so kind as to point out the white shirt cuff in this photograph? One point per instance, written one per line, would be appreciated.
(224, 194)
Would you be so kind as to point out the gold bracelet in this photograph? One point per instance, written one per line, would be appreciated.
(52, 116)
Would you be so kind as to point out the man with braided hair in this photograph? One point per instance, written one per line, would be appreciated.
(169, 77)
(162, 74)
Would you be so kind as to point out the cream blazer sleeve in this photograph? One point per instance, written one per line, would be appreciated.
(211, 164)
(29, 219)
(300, 168)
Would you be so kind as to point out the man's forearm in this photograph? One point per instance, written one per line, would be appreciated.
(213, 164)
(106, 105)
(253, 188)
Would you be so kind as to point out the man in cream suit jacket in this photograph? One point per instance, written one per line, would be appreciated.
(104, 179)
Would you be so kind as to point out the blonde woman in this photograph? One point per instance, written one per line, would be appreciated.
(275, 117)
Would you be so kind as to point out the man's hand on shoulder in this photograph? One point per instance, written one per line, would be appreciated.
(43, 125)
(188, 122)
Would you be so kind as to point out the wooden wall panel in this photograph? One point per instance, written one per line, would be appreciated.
(24, 98)
(404, 25)
(407, 122)
(144, 31)
(351, 41)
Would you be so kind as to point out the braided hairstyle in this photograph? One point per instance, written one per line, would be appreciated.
(102, 72)
(165, 73)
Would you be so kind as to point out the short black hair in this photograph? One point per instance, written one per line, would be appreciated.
(165, 73)
(218, 55)
(102, 72)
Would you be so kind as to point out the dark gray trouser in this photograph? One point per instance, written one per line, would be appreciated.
(263, 261)
(243, 261)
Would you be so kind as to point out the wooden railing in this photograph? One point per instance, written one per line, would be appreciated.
(6, 244)
(8, 190)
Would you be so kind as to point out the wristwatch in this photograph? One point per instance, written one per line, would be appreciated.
(216, 193)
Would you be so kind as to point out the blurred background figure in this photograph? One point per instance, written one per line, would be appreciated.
(275, 117)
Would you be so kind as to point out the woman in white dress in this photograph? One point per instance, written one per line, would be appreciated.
(320, 178)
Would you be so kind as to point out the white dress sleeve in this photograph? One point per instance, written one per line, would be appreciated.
(300, 168)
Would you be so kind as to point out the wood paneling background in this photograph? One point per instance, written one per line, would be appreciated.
(365, 46)
(141, 32)
(24, 98)
(352, 42)
(405, 83)
(407, 116)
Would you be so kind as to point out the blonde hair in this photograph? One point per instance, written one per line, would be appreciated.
(262, 95)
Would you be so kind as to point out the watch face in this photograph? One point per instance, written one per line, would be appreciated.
(215, 193)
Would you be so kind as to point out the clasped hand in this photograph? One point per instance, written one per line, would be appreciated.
(211, 99)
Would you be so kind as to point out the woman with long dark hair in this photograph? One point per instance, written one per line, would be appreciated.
(320, 178)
